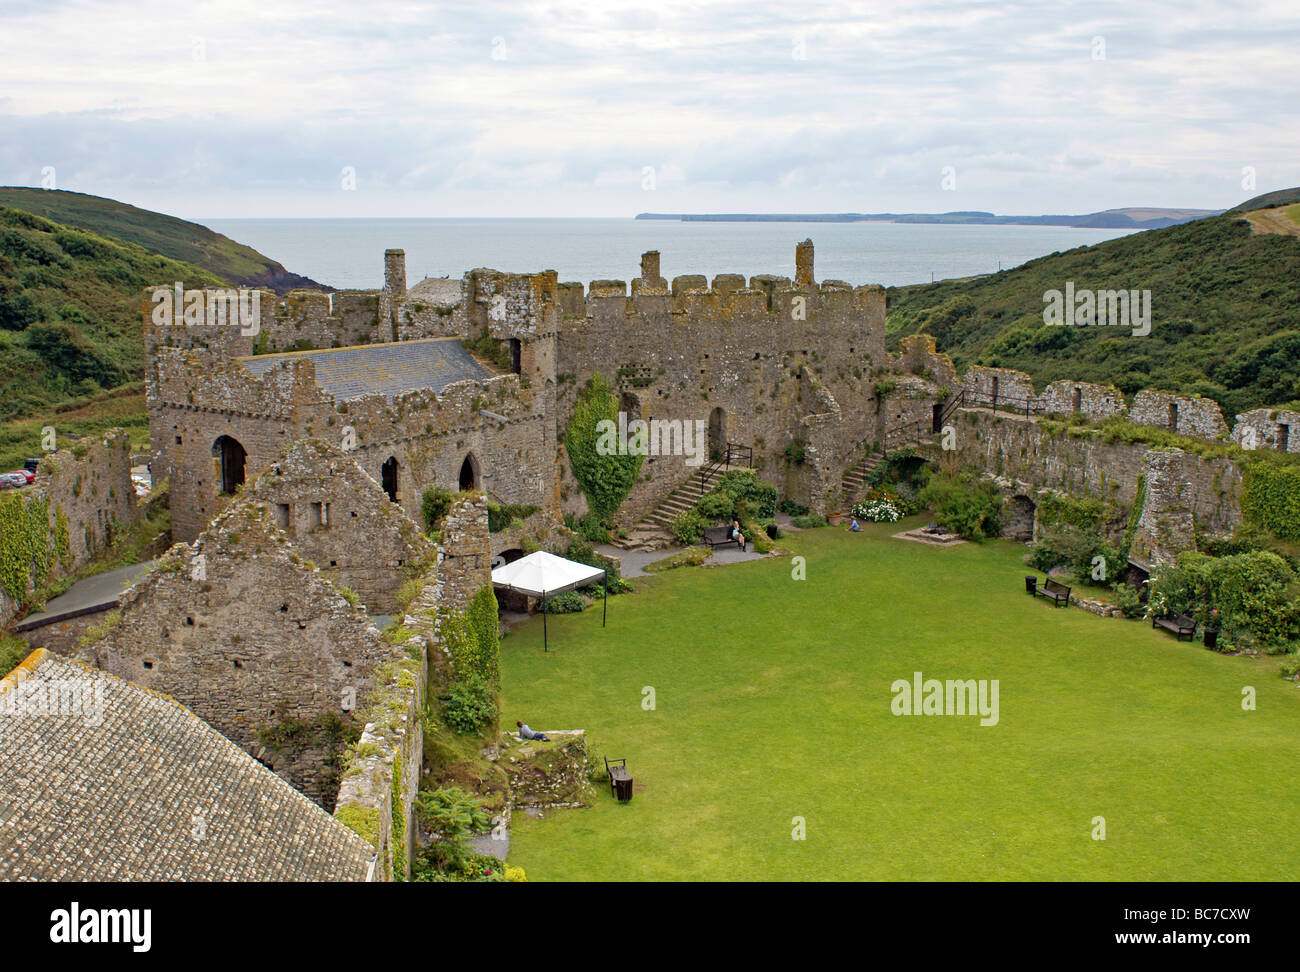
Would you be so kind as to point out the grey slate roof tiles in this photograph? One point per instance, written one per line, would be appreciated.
(382, 369)
(124, 784)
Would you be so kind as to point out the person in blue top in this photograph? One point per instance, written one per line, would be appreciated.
(854, 527)
(737, 535)
(526, 732)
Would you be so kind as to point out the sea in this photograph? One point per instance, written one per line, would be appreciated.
(349, 253)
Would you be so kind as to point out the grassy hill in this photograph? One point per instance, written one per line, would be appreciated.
(70, 312)
(1225, 311)
(165, 235)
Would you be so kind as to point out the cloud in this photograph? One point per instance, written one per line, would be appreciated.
(467, 107)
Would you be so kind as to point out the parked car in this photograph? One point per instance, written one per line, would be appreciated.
(15, 480)
(29, 475)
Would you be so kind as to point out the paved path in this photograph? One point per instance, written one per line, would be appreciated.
(92, 594)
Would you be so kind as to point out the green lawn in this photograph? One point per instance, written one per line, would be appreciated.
(773, 702)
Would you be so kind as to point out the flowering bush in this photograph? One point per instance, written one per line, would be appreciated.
(877, 511)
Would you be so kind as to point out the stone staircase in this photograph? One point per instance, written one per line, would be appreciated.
(652, 532)
(855, 480)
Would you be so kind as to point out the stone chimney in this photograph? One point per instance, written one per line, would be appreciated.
(803, 264)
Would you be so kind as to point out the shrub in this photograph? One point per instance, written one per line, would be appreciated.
(809, 522)
(501, 515)
(791, 508)
(450, 816)
(1256, 595)
(469, 706)
(744, 484)
(1129, 600)
(970, 507)
(1066, 545)
(876, 511)
(570, 602)
(690, 557)
(435, 505)
(687, 527)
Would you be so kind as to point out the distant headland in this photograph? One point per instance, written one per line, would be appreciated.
(1137, 217)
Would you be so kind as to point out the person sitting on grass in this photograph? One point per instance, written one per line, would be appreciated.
(854, 526)
(737, 535)
(525, 732)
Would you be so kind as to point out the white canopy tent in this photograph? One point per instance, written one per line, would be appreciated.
(543, 574)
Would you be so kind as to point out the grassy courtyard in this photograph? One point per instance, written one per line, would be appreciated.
(772, 701)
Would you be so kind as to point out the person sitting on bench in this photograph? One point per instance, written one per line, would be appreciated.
(737, 535)
(525, 732)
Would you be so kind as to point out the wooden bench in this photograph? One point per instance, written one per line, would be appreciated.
(620, 780)
(1054, 591)
(1181, 625)
(717, 536)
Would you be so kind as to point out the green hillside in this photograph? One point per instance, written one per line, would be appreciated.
(1225, 314)
(70, 304)
(166, 235)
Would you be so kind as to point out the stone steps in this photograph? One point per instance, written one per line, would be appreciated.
(652, 532)
(856, 478)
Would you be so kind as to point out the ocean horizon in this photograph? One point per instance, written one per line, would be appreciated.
(348, 253)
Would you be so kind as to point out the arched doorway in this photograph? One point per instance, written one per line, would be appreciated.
(232, 458)
(469, 473)
(717, 433)
(388, 477)
(630, 405)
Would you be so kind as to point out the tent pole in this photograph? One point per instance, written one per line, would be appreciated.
(545, 644)
(604, 601)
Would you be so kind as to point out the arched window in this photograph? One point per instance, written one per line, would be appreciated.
(388, 477)
(469, 473)
(232, 459)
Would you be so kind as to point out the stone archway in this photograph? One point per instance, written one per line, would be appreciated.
(469, 473)
(388, 477)
(233, 460)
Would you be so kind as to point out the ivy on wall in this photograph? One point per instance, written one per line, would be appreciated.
(1086, 514)
(1270, 498)
(24, 543)
(604, 479)
(475, 640)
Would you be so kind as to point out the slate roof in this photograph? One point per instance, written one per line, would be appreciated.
(382, 369)
(126, 785)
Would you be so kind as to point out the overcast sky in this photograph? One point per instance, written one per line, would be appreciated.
(596, 108)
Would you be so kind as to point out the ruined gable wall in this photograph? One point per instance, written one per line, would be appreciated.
(1199, 417)
(1095, 401)
(243, 632)
(1263, 428)
(340, 519)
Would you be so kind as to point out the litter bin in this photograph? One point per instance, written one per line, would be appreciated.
(1211, 637)
(1031, 585)
(623, 789)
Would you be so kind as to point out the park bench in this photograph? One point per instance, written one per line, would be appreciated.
(716, 536)
(620, 780)
(1181, 625)
(1054, 591)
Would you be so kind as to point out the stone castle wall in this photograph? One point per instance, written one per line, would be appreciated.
(88, 486)
(1023, 450)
